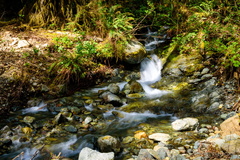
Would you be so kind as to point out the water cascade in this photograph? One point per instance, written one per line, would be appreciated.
(151, 73)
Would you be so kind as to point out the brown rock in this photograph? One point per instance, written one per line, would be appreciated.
(140, 135)
(230, 126)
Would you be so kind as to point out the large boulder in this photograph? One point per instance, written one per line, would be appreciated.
(232, 146)
(185, 124)
(230, 126)
(89, 154)
(134, 53)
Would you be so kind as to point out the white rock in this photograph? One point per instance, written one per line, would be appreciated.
(88, 120)
(161, 137)
(15, 41)
(218, 141)
(23, 43)
(89, 154)
(185, 124)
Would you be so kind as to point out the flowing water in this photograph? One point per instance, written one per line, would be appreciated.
(121, 126)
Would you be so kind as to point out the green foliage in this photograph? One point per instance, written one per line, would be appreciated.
(118, 29)
(67, 68)
(62, 43)
(71, 66)
(86, 49)
(35, 50)
(204, 32)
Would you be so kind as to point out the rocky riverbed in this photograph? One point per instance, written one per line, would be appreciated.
(185, 112)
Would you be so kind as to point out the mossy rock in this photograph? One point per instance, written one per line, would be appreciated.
(134, 53)
(187, 63)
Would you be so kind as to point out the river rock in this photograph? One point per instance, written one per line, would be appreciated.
(134, 53)
(28, 119)
(140, 135)
(5, 132)
(109, 97)
(89, 154)
(161, 137)
(127, 139)
(132, 87)
(132, 76)
(206, 76)
(87, 120)
(230, 126)
(232, 146)
(108, 144)
(70, 128)
(205, 71)
(144, 154)
(23, 43)
(213, 108)
(185, 124)
(59, 118)
(175, 72)
(163, 152)
(200, 102)
(75, 110)
(235, 157)
(113, 88)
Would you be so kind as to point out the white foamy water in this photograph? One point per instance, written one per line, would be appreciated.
(65, 147)
(150, 73)
(152, 41)
(127, 120)
(137, 117)
(38, 108)
(73, 146)
(95, 90)
(150, 70)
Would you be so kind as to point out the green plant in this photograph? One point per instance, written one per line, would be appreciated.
(25, 55)
(118, 29)
(35, 50)
(72, 66)
(86, 48)
(67, 68)
(62, 43)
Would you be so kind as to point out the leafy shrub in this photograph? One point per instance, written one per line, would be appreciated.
(71, 66)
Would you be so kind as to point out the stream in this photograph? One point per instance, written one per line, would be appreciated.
(84, 117)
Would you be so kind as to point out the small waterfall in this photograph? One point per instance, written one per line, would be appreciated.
(152, 40)
(150, 73)
(150, 70)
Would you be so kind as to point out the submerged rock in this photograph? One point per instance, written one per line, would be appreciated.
(89, 154)
(28, 119)
(70, 128)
